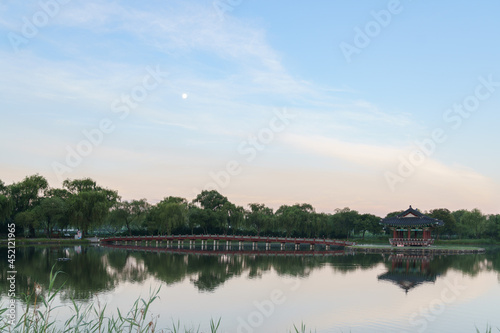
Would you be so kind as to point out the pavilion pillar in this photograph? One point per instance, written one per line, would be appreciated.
(394, 233)
(409, 232)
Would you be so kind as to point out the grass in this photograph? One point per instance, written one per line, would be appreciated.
(37, 316)
(481, 241)
(389, 248)
(301, 328)
(488, 329)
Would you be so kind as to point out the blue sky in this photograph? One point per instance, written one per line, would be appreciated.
(257, 99)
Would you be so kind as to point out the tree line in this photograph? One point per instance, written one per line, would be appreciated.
(36, 208)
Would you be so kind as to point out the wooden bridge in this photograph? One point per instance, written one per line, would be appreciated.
(227, 240)
(218, 252)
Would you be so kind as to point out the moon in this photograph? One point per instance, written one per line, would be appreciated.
(184, 96)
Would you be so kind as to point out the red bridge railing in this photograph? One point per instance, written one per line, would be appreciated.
(231, 238)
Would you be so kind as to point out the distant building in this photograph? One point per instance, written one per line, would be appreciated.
(411, 228)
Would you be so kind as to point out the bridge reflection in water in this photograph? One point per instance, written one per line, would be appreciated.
(224, 252)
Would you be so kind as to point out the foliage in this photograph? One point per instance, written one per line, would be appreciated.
(168, 214)
(88, 203)
(472, 223)
(450, 223)
(25, 196)
(50, 213)
(83, 204)
(259, 217)
(129, 214)
(6, 207)
(210, 200)
(231, 216)
(345, 220)
(367, 222)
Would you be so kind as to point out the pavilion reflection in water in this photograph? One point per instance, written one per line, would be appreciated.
(409, 270)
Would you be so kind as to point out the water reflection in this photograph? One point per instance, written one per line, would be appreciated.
(92, 270)
(409, 270)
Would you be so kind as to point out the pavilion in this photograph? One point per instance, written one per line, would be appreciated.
(411, 228)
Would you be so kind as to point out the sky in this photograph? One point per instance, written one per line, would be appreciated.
(372, 105)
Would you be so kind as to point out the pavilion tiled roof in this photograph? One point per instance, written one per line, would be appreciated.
(411, 217)
(407, 281)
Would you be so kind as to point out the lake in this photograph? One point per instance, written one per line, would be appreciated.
(339, 291)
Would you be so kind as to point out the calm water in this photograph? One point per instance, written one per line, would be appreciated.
(341, 292)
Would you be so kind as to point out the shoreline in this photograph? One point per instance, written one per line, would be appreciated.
(434, 249)
(45, 241)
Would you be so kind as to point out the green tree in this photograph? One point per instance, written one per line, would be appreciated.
(473, 222)
(130, 214)
(232, 216)
(25, 196)
(461, 229)
(345, 219)
(492, 228)
(305, 219)
(50, 213)
(198, 217)
(168, 214)
(288, 218)
(27, 219)
(211, 200)
(213, 203)
(88, 204)
(322, 225)
(393, 214)
(450, 224)
(6, 208)
(259, 217)
(367, 222)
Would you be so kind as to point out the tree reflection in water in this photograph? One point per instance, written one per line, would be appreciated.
(92, 270)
